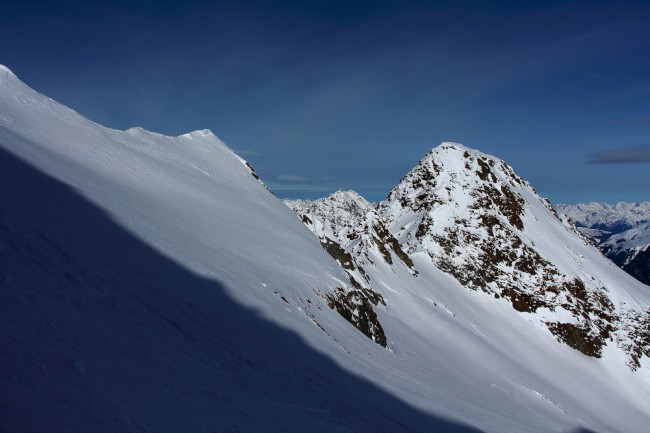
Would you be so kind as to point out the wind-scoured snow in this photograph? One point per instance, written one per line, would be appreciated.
(152, 283)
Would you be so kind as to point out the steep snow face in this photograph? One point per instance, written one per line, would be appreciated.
(475, 219)
(181, 187)
(171, 192)
(205, 213)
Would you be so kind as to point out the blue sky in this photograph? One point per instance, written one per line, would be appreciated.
(326, 95)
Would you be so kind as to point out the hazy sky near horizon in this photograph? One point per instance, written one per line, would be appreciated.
(324, 95)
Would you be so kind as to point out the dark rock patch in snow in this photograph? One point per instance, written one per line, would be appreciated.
(355, 307)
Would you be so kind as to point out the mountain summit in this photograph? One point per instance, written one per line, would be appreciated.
(480, 222)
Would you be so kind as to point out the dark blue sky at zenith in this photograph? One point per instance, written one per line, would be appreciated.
(325, 95)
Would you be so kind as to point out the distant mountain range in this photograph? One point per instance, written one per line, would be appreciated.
(153, 283)
(621, 231)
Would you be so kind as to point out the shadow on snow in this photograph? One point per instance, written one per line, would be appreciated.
(99, 332)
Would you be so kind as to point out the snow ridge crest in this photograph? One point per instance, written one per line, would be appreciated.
(6, 72)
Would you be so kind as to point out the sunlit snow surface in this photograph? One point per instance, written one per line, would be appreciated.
(265, 354)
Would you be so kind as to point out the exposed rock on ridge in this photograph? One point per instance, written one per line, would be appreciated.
(469, 213)
(354, 234)
(466, 211)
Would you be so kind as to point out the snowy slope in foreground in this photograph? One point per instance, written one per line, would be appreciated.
(158, 293)
(150, 283)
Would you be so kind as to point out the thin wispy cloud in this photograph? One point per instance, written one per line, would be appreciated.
(246, 152)
(629, 155)
(291, 178)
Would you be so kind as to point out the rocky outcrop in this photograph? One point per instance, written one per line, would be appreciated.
(354, 235)
(356, 307)
(351, 230)
(635, 336)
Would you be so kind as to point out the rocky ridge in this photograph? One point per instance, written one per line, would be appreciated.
(351, 230)
(476, 220)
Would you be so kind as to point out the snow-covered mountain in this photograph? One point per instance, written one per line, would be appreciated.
(476, 220)
(621, 231)
(486, 226)
(152, 283)
(631, 251)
